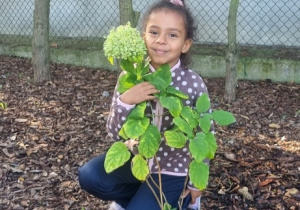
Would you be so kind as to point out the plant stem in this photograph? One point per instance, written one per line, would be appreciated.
(156, 185)
(162, 196)
(159, 180)
(184, 187)
(151, 188)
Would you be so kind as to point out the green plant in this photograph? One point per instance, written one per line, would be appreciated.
(3, 105)
(124, 43)
(193, 125)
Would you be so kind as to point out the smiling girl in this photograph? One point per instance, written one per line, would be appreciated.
(168, 34)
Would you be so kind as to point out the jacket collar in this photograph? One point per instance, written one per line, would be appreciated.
(176, 66)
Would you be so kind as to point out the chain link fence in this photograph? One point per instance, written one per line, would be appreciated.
(81, 23)
(269, 22)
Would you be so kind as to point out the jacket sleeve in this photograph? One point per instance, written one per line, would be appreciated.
(117, 115)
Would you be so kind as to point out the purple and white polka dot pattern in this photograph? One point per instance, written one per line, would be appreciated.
(172, 161)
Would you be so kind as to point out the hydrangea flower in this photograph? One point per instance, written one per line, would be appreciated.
(124, 42)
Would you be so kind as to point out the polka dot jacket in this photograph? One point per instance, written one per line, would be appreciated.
(172, 161)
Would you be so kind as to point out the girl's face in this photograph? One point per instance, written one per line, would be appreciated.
(165, 37)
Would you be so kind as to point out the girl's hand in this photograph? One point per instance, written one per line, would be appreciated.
(141, 92)
(131, 145)
(194, 194)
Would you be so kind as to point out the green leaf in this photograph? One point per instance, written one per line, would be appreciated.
(190, 116)
(158, 82)
(3, 105)
(134, 128)
(123, 134)
(174, 128)
(145, 67)
(138, 59)
(149, 142)
(172, 90)
(168, 207)
(183, 126)
(148, 77)
(164, 73)
(128, 66)
(142, 68)
(138, 112)
(140, 167)
(111, 60)
(161, 78)
(199, 147)
(203, 103)
(212, 145)
(223, 117)
(205, 123)
(126, 82)
(175, 139)
(199, 173)
(116, 156)
(173, 104)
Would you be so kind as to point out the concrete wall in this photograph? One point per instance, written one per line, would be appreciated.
(282, 70)
(278, 70)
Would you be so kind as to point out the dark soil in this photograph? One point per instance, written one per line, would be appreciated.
(50, 129)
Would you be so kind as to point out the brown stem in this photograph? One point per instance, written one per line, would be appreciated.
(156, 185)
(157, 199)
(159, 181)
(184, 188)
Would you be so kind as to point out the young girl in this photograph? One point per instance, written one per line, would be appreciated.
(168, 33)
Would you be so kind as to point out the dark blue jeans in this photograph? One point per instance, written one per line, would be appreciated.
(122, 187)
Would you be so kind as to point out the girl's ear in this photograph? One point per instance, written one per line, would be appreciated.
(187, 45)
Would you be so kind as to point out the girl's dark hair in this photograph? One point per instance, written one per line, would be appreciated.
(187, 17)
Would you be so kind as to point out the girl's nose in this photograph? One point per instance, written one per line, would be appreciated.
(161, 39)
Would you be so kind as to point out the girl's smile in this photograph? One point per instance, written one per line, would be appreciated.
(160, 52)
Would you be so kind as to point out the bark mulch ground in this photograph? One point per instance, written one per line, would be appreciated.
(48, 130)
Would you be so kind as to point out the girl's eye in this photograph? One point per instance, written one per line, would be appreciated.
(153, 32)
(173, 35)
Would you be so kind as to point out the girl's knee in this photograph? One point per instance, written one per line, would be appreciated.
(92, 182)
(84, 177)
(90, 173)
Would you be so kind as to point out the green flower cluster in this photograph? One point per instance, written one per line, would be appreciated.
(124, 42)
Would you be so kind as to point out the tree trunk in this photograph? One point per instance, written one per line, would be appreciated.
(127, 14)
(40, 42)
(231, 55)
